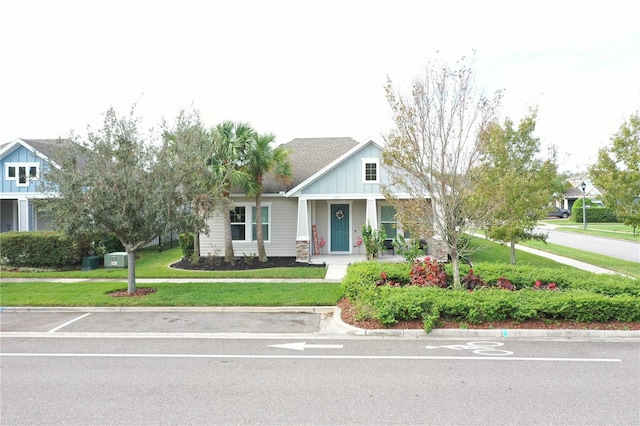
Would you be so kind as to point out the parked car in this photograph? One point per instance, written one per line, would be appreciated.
(558, 212)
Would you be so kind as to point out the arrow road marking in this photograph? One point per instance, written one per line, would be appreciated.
(303, 345)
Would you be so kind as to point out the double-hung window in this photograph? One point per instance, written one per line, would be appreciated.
(389, 222)
(244, 227)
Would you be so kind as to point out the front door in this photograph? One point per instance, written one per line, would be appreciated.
(340, 227)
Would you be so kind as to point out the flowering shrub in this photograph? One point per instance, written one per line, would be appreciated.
(505, 284)
(428, 273)
(384, 280)
(472, 281)
(540, 286)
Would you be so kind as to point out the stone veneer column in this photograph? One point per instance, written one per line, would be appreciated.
(302, 251)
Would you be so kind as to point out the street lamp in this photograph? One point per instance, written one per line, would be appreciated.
(584, 206)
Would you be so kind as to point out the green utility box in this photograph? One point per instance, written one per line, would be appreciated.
(117, 259)
(90, 262)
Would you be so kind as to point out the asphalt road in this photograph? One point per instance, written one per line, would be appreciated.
(626, 250)
(165, 368)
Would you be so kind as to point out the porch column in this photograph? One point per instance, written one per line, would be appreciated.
(23, 215)
(302, 233)
(371, 213)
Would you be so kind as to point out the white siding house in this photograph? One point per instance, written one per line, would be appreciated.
(336, 188)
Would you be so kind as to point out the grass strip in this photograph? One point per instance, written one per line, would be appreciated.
(170, 294)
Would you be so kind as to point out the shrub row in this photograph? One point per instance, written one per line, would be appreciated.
(579, 296)
(39, 250)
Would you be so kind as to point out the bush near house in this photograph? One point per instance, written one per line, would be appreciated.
(39, 249)
(383, 292)
(595, 213)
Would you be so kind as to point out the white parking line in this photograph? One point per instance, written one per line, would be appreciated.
(68, 322)
(361, 357)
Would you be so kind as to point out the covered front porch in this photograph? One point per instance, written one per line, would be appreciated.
(333, 227)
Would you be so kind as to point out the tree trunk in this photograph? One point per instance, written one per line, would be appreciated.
(455, 264)
(131, 273)
(196, 247)
(513, 253)
(262, 254)
(228, 243)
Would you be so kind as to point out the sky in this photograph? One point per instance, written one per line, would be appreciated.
(315, 68)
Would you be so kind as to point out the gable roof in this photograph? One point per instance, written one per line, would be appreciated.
(41, 147)
(309, 156)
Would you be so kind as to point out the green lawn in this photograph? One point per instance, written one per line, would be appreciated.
(192, 294)
(485, 251)
(152, 264)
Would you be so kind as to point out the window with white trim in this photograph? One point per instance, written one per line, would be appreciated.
(243, 229)
(22, 173)
(389, 222)
(370, 170)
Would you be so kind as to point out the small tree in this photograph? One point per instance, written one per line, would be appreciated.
(432, 150)
(373, 240)
(516, 181)
(113, 180)
(617, 172)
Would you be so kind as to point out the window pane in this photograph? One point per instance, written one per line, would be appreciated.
(238, 232)
(22, 174)
(32, 171)
(238, 215)
(265, 232)
(387, 214)
(12, 171)
(370, 172)
(265, 215)
(390, 230)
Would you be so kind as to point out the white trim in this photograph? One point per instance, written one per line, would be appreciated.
(366, 161)
(248, 222)
(27, 166)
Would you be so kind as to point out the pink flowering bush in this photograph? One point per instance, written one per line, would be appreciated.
(538, 285)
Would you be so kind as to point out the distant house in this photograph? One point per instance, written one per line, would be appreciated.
(22, 162)
(334, 191)
(575, 191)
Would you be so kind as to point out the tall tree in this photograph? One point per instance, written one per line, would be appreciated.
(261, 159)
(516, 180)
(432, 149)
(617, 172)
(188, 145)
(231, 141)
(112, 180)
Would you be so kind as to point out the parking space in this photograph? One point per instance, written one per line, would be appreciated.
(160, 322)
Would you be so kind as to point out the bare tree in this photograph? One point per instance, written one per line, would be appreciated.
(432, 150)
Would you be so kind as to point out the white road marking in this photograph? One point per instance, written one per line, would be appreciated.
(68, 322)
(303, 345)
(346, 357)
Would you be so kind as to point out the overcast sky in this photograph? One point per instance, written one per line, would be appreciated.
(313, 69)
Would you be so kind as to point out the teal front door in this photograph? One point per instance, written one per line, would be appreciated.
(340, 227)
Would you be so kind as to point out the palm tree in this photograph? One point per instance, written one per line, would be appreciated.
(261, 159)
(231, 141)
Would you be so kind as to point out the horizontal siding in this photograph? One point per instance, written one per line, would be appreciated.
(283, 231)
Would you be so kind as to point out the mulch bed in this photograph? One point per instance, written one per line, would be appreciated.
(139, 292)
(212, 263)
(348, 314)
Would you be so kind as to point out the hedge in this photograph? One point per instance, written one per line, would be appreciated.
(595, 213)
(579, 296)
(38, 249)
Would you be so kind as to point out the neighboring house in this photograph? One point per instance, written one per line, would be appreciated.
(334, 191)
(22, 163)
(575, 192)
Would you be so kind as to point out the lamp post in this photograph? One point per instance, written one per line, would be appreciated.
(584, 206)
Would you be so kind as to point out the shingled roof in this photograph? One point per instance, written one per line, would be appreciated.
(308, 156)
(43, 146)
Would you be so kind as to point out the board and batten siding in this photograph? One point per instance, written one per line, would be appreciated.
(284, 213)
(19, 155)
(347, 177)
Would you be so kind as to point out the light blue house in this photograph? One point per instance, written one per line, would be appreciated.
(22, 162)
(336, 188)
